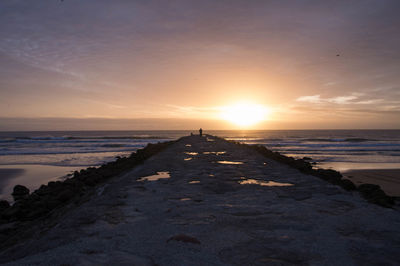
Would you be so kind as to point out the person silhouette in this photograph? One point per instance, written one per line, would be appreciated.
(201, 132)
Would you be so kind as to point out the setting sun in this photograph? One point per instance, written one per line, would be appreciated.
(244, 114)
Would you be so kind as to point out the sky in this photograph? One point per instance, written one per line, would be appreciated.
(100, 64)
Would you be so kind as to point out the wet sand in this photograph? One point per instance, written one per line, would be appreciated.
(29, 175)
(388, 179)
(7, 174)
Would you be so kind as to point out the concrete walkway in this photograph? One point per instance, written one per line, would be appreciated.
(222, 205)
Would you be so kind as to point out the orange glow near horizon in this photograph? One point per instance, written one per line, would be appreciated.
(244, 114)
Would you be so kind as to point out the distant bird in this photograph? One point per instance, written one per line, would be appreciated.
(338, 55)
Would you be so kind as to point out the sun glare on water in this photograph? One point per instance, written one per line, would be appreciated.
(244, 114)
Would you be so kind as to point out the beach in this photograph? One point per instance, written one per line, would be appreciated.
(7, 174)
(207, 201)
(31, 175)
(388, 179)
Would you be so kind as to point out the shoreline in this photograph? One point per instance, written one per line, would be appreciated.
(387, 179)
(30, 175)
(7, 174)
(387, 182)
(80, 181)
(12, 174)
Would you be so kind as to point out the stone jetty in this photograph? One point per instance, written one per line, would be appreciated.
(207, 201)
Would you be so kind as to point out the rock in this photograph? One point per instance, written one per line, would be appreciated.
(347, 184)
(34, 213)
(8, 228)
(374, 194)
(51, 184)
(89, 182)
(43, 190)
(332, 176)
(66, 195)
(76, 174)
(20, 192)
(52, 203)
(185, 239)
(14, 212)
(4, 205)
(302, 165)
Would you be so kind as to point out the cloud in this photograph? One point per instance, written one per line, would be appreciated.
(342, 99)
(345, 99)
(310, 99)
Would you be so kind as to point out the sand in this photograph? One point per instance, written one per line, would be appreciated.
(8, 173)
(29, 175)
(388, 179)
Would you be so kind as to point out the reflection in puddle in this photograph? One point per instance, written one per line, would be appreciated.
(264, 183)
(194, 182)
(188, 145)
(208, 139)
(188, 159)
(229, 162)
(214, 152)
(159, 175)
(185, 199)
(192, 153)
(210, 175)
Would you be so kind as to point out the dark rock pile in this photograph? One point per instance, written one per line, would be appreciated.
(56, 194)
(373, 193)
(20, 192)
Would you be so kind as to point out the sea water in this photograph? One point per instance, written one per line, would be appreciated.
(337, 149)
(39, 157)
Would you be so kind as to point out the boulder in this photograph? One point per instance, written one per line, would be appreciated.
(374, 194)
(347, 184)
(4, 205)
(66, 195)
(20, 192)
(332, 176)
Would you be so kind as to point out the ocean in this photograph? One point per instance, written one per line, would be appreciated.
(34, 158)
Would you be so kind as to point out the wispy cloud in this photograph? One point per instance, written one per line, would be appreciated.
(342, 99)
(353, 98)
(310, 99)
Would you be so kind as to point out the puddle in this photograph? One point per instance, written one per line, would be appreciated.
(214, 152)
(229, 162)
(264, 183)
(194, 182)
(191, 153)
(159, 175)
(210, 175)
(188, 159)
(185, 199)
(188, 145)
(210, 139)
